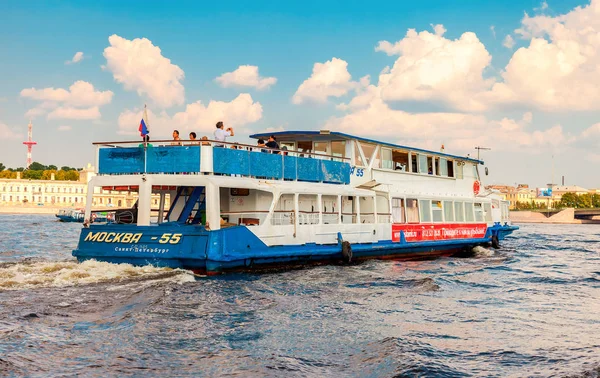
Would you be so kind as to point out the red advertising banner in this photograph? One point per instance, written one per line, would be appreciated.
(425, 232)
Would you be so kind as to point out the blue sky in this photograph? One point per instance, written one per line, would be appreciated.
(285, 41)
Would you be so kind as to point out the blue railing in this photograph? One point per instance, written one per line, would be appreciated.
(225, 161)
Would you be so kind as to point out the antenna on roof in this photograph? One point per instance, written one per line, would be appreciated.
(481, 148)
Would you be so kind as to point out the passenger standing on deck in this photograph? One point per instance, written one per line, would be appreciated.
(192, 136)
(221, 134)
(272, 143)
(176, 140)
(205, 141)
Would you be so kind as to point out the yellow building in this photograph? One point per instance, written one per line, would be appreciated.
(58, 193)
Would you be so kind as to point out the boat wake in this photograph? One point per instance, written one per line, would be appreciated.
(35, 274)
(480, 251)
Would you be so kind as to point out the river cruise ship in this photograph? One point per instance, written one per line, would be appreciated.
(325, 196)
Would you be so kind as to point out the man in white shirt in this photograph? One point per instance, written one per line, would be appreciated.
(221, 134)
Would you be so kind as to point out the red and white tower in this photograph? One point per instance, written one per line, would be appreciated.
(29, 143)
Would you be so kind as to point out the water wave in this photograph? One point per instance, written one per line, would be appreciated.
(34, 274)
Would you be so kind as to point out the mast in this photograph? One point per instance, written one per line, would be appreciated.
(29, 143)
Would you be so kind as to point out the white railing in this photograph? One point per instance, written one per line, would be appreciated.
(308, 217)
(282, 218)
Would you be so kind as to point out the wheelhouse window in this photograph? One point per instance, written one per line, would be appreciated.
(448, 211)
(412, 210)
(321, 148)
(283, 214)
(413, 159)
(436, 164)
(358, 161)
(425, 211)
(330, 210)
(305, 146)
(387, 161)
(436, 211)
(422, 163)
(400, 160)
(443, 167)
(398, 210)
(368, 149)
(338, 148)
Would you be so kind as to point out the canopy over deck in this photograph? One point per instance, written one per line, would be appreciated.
(325, 135)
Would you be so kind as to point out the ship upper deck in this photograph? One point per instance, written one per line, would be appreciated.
(209, 157)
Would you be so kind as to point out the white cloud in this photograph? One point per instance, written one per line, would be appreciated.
(6, 133)
(197, 117)
(78, 57)
(81, 99)
(329, 79)
(140, 66)
(459, 132)
(64, 128)
(558, 71)
(493, 30)
(245, 76)
(508, 42)
(433, 68)
(67, 112)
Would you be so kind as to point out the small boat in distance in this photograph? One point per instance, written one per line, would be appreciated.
(78, 215)
(324, 196)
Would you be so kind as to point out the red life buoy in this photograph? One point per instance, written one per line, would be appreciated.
(476, 187)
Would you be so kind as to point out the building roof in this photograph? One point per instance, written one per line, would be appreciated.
(569, 188)
(327, 135)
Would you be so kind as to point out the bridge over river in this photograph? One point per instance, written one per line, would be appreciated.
(568, 215)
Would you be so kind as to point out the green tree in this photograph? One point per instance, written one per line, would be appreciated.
(35, 166)
(47, 174)
(2, 167)
(32, 175)
(66, 168)
(72, 175)
(568, 200)
(53, 168)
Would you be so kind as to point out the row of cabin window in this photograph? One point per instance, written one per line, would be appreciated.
(403, 210)
(386, 158)
(412, 210)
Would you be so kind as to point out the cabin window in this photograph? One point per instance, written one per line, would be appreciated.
(400, 159)
(358, 161)
(383, 209)
(443, 167)
(448, 211)
(413, 163)
(398, 210)
(283, 214)
(348, 210)
(308, 211)
(377, 158)
(412, 210)
(246, 211)
(487, 212)
(430, 165)
(321, 148)
(305, 146)
(368, 150)
(459, 211)
(330, 210)
(425, 211)
(291, 146)
(367, 210)
(459, 169)
(338, 148)
(387, 161)
(475, 173)
(478, 212)
(469, 217)
(422, 163)
(436, 164)
(436, 211)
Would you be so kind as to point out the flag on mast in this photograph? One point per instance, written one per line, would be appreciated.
(143, 129)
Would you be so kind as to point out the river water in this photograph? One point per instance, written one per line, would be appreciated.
(531, 308)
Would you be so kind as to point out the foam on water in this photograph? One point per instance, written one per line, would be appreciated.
(480, 251)
(28, 275)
